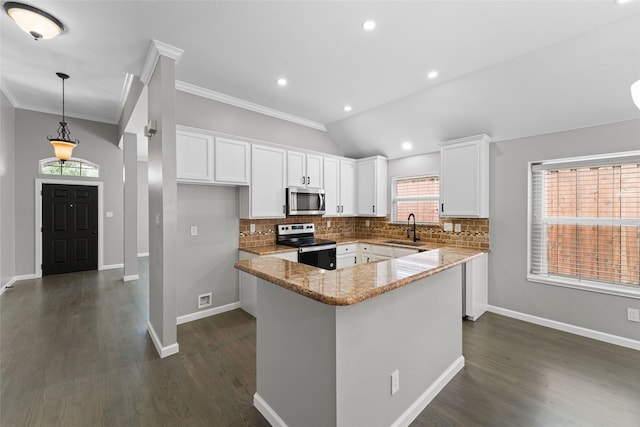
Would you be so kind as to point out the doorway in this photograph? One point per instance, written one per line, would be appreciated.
(70, 225)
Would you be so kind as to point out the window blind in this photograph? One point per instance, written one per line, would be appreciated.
(418, 195)
(585, 222)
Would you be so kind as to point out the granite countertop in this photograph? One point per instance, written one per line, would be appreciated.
(269, 249)
(355, 284)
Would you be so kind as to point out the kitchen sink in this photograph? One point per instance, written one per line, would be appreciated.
(405, 243)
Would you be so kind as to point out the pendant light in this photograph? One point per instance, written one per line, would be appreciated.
(34, 21)
(63, 144)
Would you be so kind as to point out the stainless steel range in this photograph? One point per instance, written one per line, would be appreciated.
(320, 253)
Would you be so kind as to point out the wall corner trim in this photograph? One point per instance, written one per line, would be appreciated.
(132, 277)
(267, 411)
(206, 313)
(162, 351)
(157, 49)
(241, 103)
(566, 327)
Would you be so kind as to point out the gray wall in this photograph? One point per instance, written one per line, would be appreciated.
(98, 144)
(508, 286)
(205, 262)
(143, 208)
(421, 164)
(7, 191)
(199, 112)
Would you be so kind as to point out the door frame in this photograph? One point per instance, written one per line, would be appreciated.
(38, 211)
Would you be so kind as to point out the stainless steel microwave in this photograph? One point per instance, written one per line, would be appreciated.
(302, 201)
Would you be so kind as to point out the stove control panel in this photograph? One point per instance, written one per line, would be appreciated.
(293, 229)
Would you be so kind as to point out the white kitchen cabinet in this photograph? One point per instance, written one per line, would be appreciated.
(304, 170)
(232, 161)
(265, 197)
(464, 177)
(475, 287)
(400, 252)
(371, 182)
(339, 186)
(194, 157)
(346, 255)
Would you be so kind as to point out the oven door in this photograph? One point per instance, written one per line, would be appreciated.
(323, 256)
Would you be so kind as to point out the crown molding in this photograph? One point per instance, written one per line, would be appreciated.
(157, 49)
(241, 103)
(126, 88)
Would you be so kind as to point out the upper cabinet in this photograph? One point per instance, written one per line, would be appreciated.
(265, 197)
(464, 177)
(304, 170)
(372, 186)
(203, 159)
(339, 186)
(231, 161)
(194, 157)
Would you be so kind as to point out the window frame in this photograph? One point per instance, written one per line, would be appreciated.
(394, 211)
(42, 163)
(568, 282)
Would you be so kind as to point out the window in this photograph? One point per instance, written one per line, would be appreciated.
(419, 195)
(72, 167)
(585, 223)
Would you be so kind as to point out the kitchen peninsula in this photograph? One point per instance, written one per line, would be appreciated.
(367, 345)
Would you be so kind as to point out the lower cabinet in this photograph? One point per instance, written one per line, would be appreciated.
(475, 287)
(346, 255)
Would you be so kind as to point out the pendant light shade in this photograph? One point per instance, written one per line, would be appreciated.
(63, 144)
(34, 21)
(635, 93)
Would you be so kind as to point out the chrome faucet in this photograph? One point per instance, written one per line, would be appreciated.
(415, 237)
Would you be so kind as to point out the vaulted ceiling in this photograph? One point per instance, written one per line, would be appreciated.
(505, 68)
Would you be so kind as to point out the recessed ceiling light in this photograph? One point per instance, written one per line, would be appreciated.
(347, 108)
(282, 82)
(432, 74)
(369, 25)
(407, 145)
(623, 1)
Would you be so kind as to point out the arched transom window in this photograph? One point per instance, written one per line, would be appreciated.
(72, 167)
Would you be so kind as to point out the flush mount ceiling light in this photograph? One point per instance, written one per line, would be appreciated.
(635, 93)
(34, 21)
(63, 144)
(369, 25)
(282, 82)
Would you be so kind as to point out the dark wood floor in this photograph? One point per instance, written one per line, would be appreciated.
(74, 352)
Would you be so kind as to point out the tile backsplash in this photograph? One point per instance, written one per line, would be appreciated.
(474, 231)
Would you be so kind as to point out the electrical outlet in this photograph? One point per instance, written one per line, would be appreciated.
(395, 382)
(457, 228)
(252, 228)
(448, 226)
(194, 230)
(328, 224)
(366, 223)
(633, 315)
(204, 300)
(157, 219)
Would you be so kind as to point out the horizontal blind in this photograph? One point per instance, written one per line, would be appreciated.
(417, 195)
(585, 222)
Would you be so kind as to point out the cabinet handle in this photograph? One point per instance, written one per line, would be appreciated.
(283, 209)
(341, 209)
(355, 259)
(303, 180)
(338, 209)
(373, 208)
(442, 207)
(308, 180)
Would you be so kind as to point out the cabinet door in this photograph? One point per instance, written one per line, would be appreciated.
(346, 261)
(347, 187)
(231, 162)
(194, 156)
(459, 192)
(314, 171)
(331, 186)
(296, 171)
(267, 182)
(366, 182)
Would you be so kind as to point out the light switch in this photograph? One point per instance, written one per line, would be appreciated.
(194, 230)
(457, 228)
(448, 226)
(109, 215)
(252, 228)
(157, 219)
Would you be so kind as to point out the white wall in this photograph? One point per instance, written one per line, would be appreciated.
(7, 191)
(508, 286)
(98, 144)
(143, 207)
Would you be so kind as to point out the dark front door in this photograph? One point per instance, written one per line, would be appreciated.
(69, 228)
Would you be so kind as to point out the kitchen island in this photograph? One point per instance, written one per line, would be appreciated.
(367, 345)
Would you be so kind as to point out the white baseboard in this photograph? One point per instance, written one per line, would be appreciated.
(27, 277)
(425, 398)
(111, 267)
(6, 285)
(267, 411)
(206, 313)
(132, 277)
(143, 254)
(162, 351)
(566, 327)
